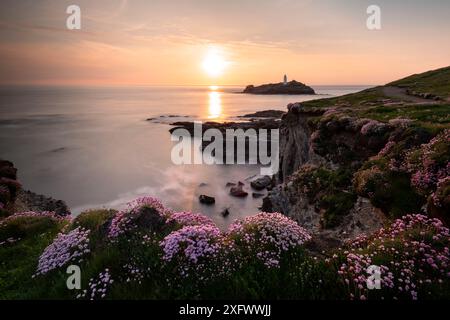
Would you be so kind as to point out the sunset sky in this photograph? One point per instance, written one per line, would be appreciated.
(161, 42)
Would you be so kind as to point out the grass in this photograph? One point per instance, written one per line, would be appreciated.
(18, 260)
(436, 82)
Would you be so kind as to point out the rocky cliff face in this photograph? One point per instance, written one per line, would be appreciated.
(14, 199)
(325, 154)
(295, 140)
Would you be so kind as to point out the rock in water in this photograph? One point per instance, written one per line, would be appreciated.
(261, 183)
(206, 199)
(293, 87)
(257, 195)
(238, 191)
(225, 212)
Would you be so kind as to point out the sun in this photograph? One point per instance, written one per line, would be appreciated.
(214, 63)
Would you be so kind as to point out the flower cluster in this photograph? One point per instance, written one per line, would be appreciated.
(70, 247)
(429, 164)
(386, 149)
(268, 235)
(441, 197)
(134, 273)
(192, 247)
(373, 127)
(33, 214)
(97, 287)
(126, 219)
(412, 253)
(189, 219)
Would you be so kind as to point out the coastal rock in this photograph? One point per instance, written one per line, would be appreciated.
(30, 201)
(292, 87)
(238, 191)
(225, 212)
(277, 114)
(261, 183)
(206, 199)
(362, 219)
(257, 195)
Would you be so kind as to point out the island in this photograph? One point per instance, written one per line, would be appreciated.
(285, 87)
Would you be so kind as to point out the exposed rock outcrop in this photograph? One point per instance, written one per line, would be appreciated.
(318, 147)
(292, 87)
(14, 199)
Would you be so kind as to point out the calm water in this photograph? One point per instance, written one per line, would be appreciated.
(92, 147)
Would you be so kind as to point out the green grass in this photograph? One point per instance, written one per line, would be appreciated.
(436, 82)
(18, 260)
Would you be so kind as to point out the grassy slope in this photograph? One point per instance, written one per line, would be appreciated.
(435, 81)
(369, 103)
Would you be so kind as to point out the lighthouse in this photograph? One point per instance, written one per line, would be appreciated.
(285, 80)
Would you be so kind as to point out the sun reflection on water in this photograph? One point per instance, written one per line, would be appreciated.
(215, 103)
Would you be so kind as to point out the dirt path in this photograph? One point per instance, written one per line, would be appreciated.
(400, 93)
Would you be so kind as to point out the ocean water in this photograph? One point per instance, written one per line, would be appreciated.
(93, 148)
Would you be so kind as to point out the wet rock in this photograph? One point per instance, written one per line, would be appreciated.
(206, 199)
(30, 201)
(257, 195)
(225, 212)
(238, 191)
(261, 183)
(277, 114)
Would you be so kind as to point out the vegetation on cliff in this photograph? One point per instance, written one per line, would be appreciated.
(149, 252)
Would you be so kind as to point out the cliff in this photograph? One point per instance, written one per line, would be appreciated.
(13, 198)
(292, 87)
(349, 164)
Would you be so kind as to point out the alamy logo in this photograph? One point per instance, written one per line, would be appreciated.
(235, 146)
(74, 280)
(374, 20)
(374, 279)
(73, 21)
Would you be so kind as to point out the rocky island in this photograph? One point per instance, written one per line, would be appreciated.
(291, 87)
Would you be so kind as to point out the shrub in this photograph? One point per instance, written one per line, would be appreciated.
(28, 224)
(70, 247)
(193, 249)
(266, 236)
(146, 212)
(189, 219)
(413, 255)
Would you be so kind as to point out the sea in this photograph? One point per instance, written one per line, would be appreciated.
(94, 147)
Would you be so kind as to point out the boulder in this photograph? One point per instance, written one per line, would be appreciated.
(225, 212)
(257, 195)
(206, 199)
(261, 183)
(238, 191)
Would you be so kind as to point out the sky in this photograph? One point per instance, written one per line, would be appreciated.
(166, 42)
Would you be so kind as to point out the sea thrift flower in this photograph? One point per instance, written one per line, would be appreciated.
(189, 219)
(125, 220)
(429, 164)
(423, 257)
(33, 214)
(70, 247)
(192, 248)
(267, 236)
(97, 287)
(373, 127)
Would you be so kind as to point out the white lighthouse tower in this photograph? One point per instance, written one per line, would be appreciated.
(285, 80)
